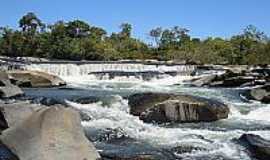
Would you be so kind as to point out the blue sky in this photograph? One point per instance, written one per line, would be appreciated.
(203, 17)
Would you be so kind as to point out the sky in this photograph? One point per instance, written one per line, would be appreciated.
(203, 18)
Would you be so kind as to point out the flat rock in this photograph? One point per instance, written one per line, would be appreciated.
(35, 79)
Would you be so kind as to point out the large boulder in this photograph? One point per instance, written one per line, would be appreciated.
(256, 145)
(14, 113)
(163, 107)
(35, 79)
(261, 94)
(53, 133)
(7, 89)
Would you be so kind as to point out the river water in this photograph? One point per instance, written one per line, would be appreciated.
(117, 133)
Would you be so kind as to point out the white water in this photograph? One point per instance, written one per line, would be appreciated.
(116, 116)
(80, 73)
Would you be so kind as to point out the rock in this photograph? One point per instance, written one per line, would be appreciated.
(140, 102)
(130, 149)
(162, 108)
(203, 81)
(256, 145)
(8, 90)
(53, 133)
(6, 154)
(233, 81)
(261, 94)
(45, 101)
(35, 79)
(86, 100)
(14, 113)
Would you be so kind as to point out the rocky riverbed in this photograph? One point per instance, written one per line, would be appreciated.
(65, 111)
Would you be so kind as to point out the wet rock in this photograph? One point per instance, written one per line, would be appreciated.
(86, 100)
(35, 79)
(45, 101)
(84, 116)
(233, 81)
(187, 149)
(140, 102)
(261, 94)
(162, 108)
(53, 133)
(6, 154)
(7, 89)
(203, 81)
(256, 145)
(130, 149)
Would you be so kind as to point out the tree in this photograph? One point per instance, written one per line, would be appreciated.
(156, 34)
(126, 30)
(78, 29)
(30, 23)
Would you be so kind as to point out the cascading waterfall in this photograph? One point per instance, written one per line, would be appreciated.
(120, 71)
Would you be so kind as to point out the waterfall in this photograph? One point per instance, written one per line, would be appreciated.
(113, 70)
(85, 69)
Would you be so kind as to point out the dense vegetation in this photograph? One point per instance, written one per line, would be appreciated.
(77, 40)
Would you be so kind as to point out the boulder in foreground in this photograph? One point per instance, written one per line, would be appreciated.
(257, 146)
(53, 133)
(163, 107)
(35, 79)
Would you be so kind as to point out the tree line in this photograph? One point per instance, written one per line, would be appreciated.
(77, 40)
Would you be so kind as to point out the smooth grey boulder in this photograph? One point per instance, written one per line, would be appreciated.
(261, 94)
(256, 145)
(7, 89)
(163, 108)
(17, 112)
(35, 79)
(53, 133)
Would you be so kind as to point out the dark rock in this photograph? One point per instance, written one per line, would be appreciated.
(256, 145)
(162, 108)
(233, 81)
(140, 102)
(35, 79)
(261, 71)
(7, 89)
(45, 101)
(187, 149)
(86, 100)
(84, 116)
(53, 133)
(6, 154)
(129, 149)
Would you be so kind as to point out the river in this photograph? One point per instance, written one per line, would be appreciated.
(116, 132)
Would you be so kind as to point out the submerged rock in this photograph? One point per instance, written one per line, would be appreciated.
(53, 133)
(86, 100)
(35, 79)
(162, 108)
(130, 149)
(7, 89)
(256, 145)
